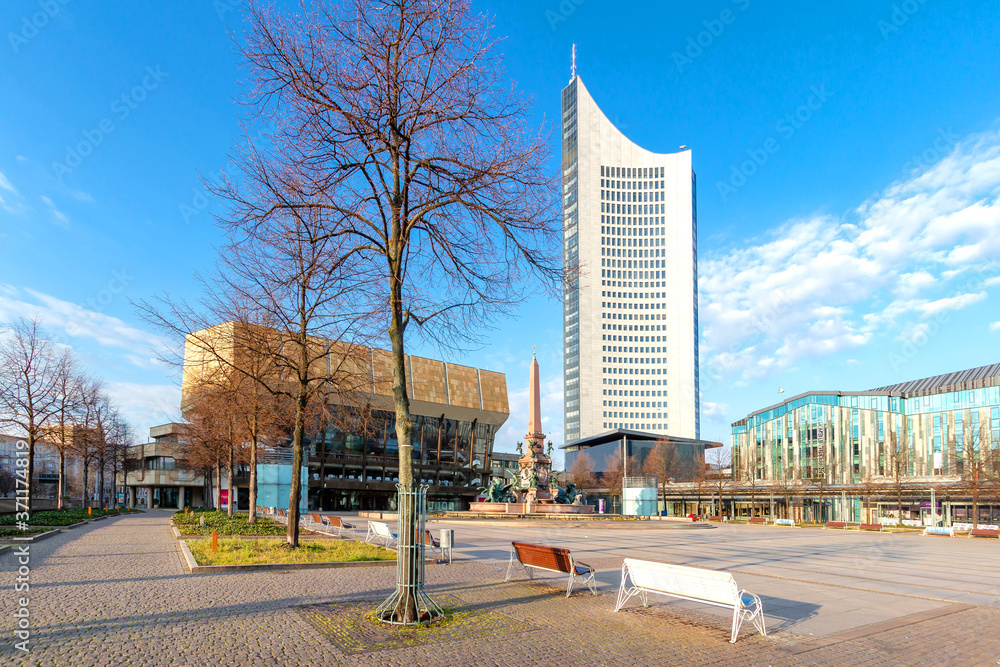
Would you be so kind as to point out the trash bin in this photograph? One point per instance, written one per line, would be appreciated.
(447, 541)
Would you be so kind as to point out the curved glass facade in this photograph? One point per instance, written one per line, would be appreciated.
(844, 438)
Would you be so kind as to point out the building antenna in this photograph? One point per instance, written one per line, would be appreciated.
(572, 71)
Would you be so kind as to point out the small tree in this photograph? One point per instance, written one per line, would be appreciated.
(581, 473)
(393, 122)
(7, 483)
(69, 390)
(976, 465)
(664, 463)
(869, 487)
(787, 481)
(899, 469)
(29, 386)
(720, 472)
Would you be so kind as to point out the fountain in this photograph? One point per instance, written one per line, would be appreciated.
(534, 489)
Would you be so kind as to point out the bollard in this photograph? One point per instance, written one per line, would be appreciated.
(215, 540)
(90, 511)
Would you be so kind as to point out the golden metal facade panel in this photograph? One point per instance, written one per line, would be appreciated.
(428, 380)
(382, 372)
(494, 388)
(463, 386)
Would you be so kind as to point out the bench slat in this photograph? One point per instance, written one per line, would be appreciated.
(683, 581)
(555, 559)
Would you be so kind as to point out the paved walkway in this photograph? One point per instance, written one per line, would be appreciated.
(115, 593)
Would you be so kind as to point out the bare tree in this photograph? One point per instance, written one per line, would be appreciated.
(29, 380)
(613, 475)
(581, 473)
(7, 483)
(393, 123)
(720, 472)
(787, 482)
(976, 467)
(899, 469)
(870, 486)
(69, 390)
(749, 474)
(664, 463)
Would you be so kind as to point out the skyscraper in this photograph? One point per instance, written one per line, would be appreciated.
(630, 319)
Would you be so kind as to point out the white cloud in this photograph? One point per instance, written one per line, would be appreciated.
(995, 327)
(80, 195)
(5, 184)
(69, 320)
(714, 412)
(957, 302)
(47, 201)
(145, 405)
(822, 285)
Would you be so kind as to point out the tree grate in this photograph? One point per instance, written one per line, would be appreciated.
(352, 627)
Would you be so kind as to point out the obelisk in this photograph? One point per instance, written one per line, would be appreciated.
(535, 437)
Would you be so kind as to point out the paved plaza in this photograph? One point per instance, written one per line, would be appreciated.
(115, 592)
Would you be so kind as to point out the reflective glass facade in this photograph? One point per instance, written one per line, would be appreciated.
(847, 437)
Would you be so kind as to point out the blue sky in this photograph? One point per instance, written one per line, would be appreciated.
(848, 162)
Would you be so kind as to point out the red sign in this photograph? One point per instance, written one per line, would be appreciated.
(224, 497)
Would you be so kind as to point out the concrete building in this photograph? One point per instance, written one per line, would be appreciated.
(158, 480)
(353, 463)
(631, 317)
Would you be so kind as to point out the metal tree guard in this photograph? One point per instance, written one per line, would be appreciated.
(410, 550)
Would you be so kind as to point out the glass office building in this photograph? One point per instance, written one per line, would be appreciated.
(935, 429)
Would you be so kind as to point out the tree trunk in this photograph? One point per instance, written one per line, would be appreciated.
(86, 475)
(230, 478)
(218, 485)
(406, 609)
(301, 402)
(100, 483)
(31, 467)
(61, 490)
(253, 477)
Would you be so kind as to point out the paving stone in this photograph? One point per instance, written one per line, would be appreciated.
(116, 593)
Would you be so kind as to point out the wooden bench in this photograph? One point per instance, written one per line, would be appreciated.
(551, 559)
(691, 583)
(984, 532)
(836, 524)
(341, 526)
(432, 544)
(716, 518)
(378, 530)
(758, 520)
(871, 526)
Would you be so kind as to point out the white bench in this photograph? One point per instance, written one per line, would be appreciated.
(378, 530)
(691, 583)
(939, 530)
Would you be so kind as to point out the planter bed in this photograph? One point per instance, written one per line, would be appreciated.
(195, 568)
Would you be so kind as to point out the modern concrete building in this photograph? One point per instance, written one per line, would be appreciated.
(158, 480)
(630, 319)
(940, 433)
(353, 463)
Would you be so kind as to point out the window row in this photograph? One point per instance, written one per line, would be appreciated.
(631, 172)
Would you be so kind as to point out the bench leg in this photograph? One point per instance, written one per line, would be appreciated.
(569, 586)
(753, 612)
(511, 564)
(624, 594)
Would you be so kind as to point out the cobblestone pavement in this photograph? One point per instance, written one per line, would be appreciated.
(115, 593)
